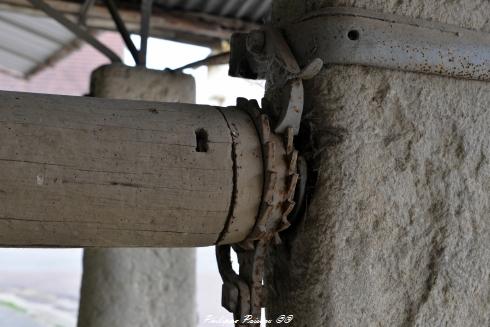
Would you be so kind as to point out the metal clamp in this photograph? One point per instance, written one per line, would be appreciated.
(256, 54)
(242, 293)
(351, 36)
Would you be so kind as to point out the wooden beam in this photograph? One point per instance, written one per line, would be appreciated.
(86, 172)
(197, 28)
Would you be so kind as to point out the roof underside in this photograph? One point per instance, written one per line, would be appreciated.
(28, 42)
(249, 10)
(29, 39)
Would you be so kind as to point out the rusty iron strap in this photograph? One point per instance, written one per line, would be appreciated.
(242, 293)
(349, 36)
(359, 37)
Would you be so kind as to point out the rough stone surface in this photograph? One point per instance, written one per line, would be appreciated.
(117, 81)
(398, 229)
(139, 287)
(471, 14)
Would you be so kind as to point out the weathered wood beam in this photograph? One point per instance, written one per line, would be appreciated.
(85, 172)
(197, 28)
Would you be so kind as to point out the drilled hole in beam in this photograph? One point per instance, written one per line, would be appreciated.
(202, 142)
(353, 35)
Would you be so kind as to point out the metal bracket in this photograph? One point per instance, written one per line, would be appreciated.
(256, 54)
(360, 37)
(349, 36)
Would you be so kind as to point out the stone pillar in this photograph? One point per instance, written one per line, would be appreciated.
(139, 287)
(398, 227)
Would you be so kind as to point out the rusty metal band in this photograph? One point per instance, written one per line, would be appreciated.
(286, 55)
(281, 176)
(351, 36)
(247, 176)
(242, 293)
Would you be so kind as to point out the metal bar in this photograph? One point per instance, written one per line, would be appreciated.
(121, 27)
(146, 6)
(347, 36)
(219, 59)
(87, 5)
(360, 37)
(75, 29)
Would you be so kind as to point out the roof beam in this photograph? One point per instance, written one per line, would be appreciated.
(195, 28)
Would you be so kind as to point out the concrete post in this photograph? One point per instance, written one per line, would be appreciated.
(139, 287)
(398, 228)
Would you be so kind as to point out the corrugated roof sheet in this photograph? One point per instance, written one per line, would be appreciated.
(249, 10)
(26, 42)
